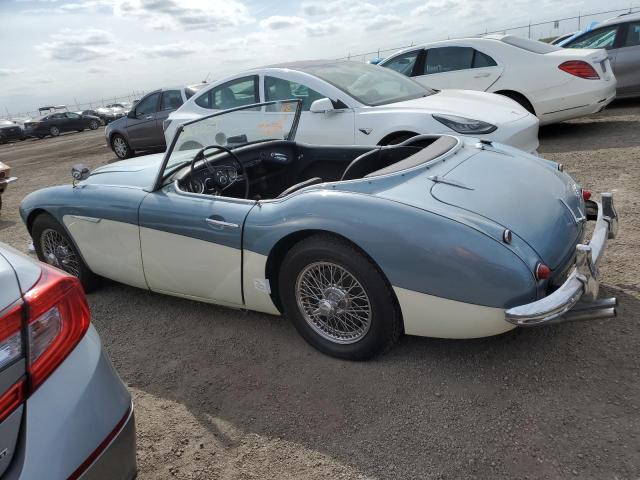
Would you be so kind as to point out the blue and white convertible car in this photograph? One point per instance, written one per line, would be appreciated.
(437, 236)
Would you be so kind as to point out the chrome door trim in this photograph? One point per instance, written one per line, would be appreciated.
(86, 219)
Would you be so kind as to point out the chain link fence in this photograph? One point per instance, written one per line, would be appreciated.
(78, 106)
(546, 30)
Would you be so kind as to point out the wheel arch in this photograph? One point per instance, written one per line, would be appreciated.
(31, 217)
(513, 93)
(399, 133)
(280, 249)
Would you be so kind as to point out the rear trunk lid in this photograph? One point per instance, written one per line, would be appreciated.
(524, 194)
(597, 58)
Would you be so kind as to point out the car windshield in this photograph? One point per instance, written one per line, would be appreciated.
(368, 84)
(233, 128)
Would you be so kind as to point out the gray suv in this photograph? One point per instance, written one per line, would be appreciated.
(64, 412)
(620, 36)
(142, 128)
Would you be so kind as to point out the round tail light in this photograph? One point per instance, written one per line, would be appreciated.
(542, 271)
(586, 194)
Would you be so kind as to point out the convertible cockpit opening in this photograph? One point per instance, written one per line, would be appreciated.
(277, 168)
(250, 153)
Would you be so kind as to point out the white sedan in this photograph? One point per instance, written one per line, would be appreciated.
(352, 103)
(554, 83)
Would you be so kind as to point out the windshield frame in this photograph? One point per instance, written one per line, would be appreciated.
(160, 177)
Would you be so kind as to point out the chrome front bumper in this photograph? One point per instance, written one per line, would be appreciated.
(576, 298)
(6, 181)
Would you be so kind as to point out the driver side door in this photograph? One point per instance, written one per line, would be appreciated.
(192, 245)
(141, 129)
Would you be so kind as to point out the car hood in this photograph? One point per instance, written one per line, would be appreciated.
(139, 172)
(488, 107)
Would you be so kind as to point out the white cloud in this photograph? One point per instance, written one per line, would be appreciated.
(380, 22)
(278, 22)
(172, 50)
(7, 72)
(212, 15)
(97, 70)
(78, 45)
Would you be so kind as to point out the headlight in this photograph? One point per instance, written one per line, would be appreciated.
(466, 126)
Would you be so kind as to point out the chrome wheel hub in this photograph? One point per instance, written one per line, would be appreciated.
(57, 252)
(120, 147)
(333, 302)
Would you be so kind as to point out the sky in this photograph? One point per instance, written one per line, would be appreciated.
(68, 51)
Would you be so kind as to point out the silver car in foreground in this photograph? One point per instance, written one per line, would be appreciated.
(64, 412)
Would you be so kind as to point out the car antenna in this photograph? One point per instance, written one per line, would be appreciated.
(206, 78)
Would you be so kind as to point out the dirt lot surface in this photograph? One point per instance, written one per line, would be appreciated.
(223, 394)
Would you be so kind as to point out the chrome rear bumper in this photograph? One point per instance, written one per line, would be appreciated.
(576, 298)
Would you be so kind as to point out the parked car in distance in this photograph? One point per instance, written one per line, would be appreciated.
(620, 37)
(57, 123)
(5, 179)
(553, 83)
(89, 113)
(10, 130)
(64, 412)
(142, 128)
(353, 103)
(354, 244)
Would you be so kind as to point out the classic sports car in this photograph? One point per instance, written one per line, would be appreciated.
(354, 244)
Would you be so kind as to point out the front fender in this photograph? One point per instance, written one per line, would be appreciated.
(417, 250)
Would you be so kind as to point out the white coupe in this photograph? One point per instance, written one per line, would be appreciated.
(352, 103)
(554, 83)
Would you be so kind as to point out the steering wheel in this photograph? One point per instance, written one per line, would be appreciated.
(208, 163)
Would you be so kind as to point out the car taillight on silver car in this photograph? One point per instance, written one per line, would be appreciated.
(57, 319)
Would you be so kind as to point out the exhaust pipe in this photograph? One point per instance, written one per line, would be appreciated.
(597, 310)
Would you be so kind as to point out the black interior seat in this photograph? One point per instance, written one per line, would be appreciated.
(298, 186)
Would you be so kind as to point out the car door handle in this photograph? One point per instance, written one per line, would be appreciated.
(220, 224)
(481, 75)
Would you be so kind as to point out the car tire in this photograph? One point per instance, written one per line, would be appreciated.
(54, 246)
(94, 124)
(120, 147)
(315, 300)
(54, 131)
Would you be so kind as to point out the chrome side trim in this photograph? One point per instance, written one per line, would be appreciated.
(86, 219)
(582, 283)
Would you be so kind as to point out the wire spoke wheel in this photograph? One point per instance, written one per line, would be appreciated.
(58, 252)
(333, 302)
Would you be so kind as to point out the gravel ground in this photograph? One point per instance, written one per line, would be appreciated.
(226, 394)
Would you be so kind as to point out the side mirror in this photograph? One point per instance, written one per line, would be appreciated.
(322, 105)
(80, 172)
(131, 114)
